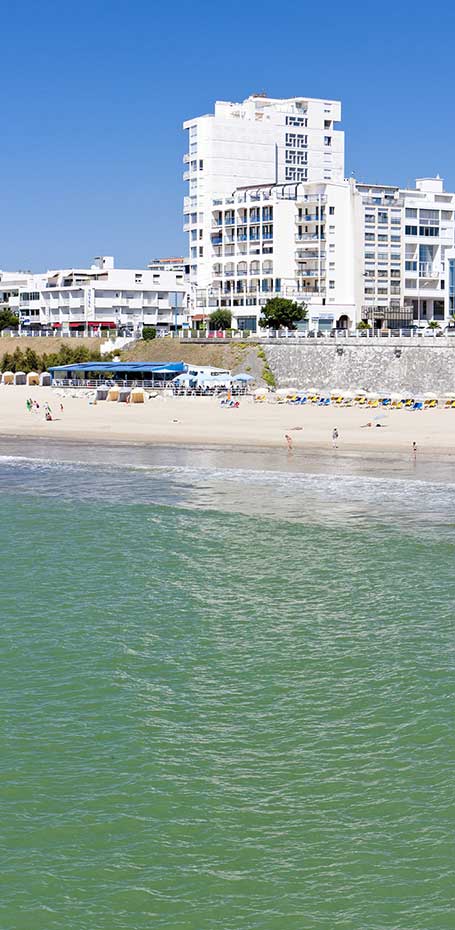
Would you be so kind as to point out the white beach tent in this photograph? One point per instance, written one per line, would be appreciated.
(20, 377)
(8, 377)
(137, 396)
(45, 379)
(33, 378)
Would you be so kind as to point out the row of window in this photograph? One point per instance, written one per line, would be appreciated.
(422, 230)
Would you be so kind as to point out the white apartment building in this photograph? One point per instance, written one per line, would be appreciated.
(261, 141)
(349, 251)
(269, 212)
(291, 240)
(407, 235)
(87, 300)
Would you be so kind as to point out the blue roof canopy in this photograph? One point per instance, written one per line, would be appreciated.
(119, 368)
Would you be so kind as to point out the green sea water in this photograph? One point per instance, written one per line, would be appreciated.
(227, 700)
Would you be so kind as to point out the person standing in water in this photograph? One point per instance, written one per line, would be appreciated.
(414, 450)
(288, 441)
(335, 438)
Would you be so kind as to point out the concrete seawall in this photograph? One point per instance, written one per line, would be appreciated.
(392, 367)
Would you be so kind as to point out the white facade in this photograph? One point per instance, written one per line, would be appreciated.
(100, 297)
(260, 141)
(349, 251)
(406, 237)
(287, 240)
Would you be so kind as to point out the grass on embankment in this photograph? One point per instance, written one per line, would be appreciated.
(235, 356)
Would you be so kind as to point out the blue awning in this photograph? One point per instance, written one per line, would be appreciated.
(119, 368)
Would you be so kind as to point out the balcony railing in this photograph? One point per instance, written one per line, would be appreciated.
(310, 237)
(310, 218)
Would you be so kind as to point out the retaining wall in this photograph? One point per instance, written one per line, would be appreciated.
(417, 368)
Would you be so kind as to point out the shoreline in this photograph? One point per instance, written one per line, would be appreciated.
(200, 428)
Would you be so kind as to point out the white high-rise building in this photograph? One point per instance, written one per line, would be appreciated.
(260, 141)
(269, 212)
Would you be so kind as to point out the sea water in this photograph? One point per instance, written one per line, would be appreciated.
(227, 694)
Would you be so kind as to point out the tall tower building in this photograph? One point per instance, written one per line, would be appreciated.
(260, 141)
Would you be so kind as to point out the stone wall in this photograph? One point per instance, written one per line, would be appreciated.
(392, 367)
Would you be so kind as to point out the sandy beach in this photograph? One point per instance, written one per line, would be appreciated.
(202, 421)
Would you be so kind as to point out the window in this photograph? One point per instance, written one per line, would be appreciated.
(410, 283)
(137, 278)
(410, 230)
(410, 266)
(332, 211)
(369, 237)
(369, 218)
(383, 238)
(327, 140)
(429, 230)
(332, 285)
(327, 124)
(201, 251)
(369, 255)
(411, 214)
(395, 238)
(383, 216)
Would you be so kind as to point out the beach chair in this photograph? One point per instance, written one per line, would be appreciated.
(417, 405)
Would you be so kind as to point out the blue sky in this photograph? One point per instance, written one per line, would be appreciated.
(93, 95)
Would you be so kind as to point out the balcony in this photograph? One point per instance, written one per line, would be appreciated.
(310, 218)
(313, 198)
(217, 240)
(302, 254)
(428, 270)
(310, 272)
(186, 158)
(310, 237)
(186, 175)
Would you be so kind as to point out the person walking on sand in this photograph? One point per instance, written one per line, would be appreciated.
(335, 438)
(288, 441)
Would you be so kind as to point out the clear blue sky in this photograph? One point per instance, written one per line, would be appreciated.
(94, 95)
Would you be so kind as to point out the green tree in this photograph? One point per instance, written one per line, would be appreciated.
(280, 312)
(31, 360)
(8, 319)
(7, 361)
(220, 319)
(148, 333)
(364, 324)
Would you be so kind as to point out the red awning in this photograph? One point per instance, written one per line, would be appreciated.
(107, 324)
(81, 323)
(56, 325)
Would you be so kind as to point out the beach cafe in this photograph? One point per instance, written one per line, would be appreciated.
(123, 374)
